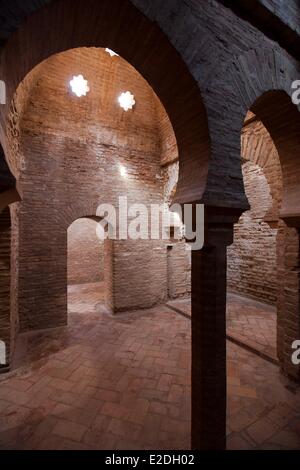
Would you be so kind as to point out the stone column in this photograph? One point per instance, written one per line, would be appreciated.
(209, 331)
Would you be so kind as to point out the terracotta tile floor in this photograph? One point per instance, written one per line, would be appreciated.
(252, 323)
(123, 383)
(249, 323)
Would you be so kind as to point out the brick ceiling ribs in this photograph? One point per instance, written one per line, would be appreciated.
(267, 22)
(14, 12)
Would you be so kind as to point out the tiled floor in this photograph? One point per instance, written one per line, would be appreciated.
(124, 383)
(252, 323)
(249, 323)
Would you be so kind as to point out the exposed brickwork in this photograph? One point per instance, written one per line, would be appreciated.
(282, 118)
(288, 296)
(234, 57)
(252, 265)
(252, 261)
(179, 270)
(137, 274)
(85, 253)
(96, 150)
(234, 65)
(169, 149)
(191, 127)
(14, 13)
(140, 274)
(258, 148)
(108, 259)
(178, 257)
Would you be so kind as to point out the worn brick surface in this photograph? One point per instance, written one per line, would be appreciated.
(79, 170)
(252, 259)
(213, 65)
(85, 253)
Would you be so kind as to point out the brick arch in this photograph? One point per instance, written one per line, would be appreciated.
(258, 148)
(8, 195)
(262, 83)
(282, 119)
(91, 214)
(83, 251)
(88, 264)
(248, 77)
(78, 211)
(119, 25)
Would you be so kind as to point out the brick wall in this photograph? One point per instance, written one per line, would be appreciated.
(288, 325)
(71, 152)
(178, 257)
(85, 253)
(252, 259)
(140, 274)
(179, 270)
(169, 150)
(108, 258)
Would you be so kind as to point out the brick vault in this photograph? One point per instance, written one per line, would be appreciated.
(214, 123)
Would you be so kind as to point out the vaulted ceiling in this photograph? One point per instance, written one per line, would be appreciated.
(272, 20)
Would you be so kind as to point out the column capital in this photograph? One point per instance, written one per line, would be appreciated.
(219, 224)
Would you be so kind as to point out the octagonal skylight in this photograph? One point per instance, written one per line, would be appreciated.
(79, 86)
(126, 100)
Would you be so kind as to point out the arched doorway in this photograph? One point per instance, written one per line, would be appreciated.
(159, 63)
(8, 195)
(281, 118)
(252, 259)
(68, 171)
(90, 268)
